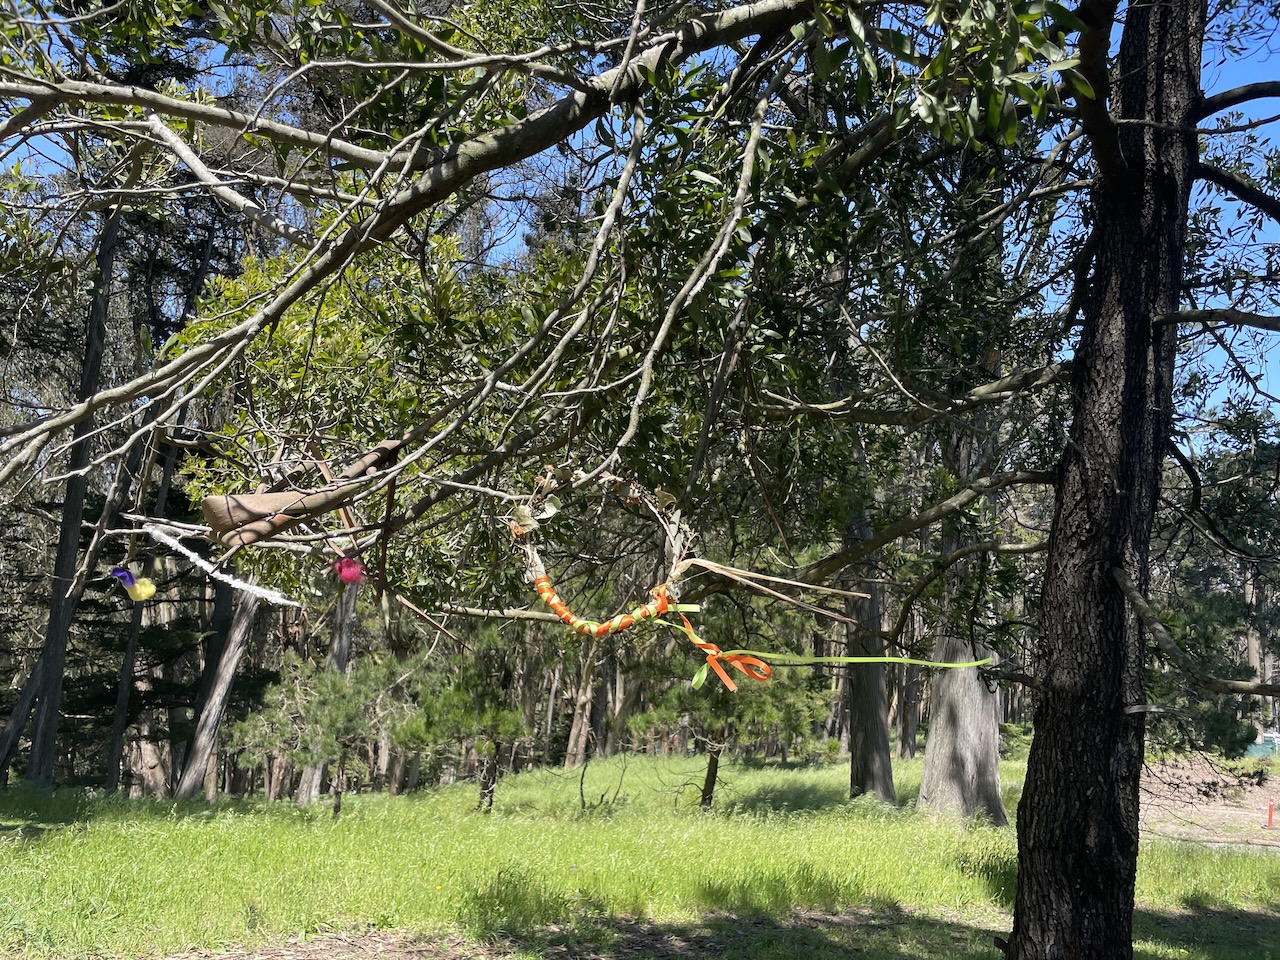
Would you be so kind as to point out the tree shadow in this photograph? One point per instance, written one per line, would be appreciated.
(879, 932)
(885, 931)
(782, 796)
(1201, 929)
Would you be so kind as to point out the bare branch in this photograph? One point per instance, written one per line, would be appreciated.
(1226, 317)
(941, 565)
(848, 408)
(78, 91)
(223, 192)
(1164, 640)
(1234, 97)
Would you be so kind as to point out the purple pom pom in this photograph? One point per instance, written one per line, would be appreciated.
(125, 576)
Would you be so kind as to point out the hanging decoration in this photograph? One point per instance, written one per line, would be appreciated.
(139, 589)
(755, 664)
(349, 570)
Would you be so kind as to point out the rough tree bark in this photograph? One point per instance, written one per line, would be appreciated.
(1078, 820)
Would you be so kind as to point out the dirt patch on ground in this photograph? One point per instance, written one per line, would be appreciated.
(1202, 801)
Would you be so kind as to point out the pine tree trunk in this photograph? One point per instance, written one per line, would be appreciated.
(1078, 820)
(962, 756)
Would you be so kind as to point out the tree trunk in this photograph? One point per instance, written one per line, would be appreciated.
(17, 720)
(1078, 820)
(580, 731)
(1253, 643)
(870, 768)
(713, 772)
(344, 621)
(205, 739)
(962, 755)
(488, 775)
(124, 689)
(65, 595)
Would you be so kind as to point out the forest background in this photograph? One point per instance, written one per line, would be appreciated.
(961, 306)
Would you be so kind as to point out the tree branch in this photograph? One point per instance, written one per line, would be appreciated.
(223, 192)
(941, 565)
(1164, 640)
(1094, 49)
(848, 408)
(1240, 188)
(78, 91)
(1234, 97)
(447, 173)
(1226, 317)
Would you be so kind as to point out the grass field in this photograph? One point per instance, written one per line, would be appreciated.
(563, 858)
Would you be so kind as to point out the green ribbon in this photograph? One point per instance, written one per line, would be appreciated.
(799, 659)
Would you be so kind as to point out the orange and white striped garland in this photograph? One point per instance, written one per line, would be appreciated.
(590, 628)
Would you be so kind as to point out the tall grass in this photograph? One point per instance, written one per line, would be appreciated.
(627, 838)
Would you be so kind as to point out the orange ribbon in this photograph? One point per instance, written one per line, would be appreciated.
(753, 667)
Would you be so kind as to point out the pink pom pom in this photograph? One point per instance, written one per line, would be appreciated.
(349, 570)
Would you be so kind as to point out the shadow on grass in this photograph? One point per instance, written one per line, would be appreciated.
(888, 932)
(29, 814)
(782, 796)
(872, 933)
(1203, 931)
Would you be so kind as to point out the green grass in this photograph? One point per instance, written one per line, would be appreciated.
(85, 877)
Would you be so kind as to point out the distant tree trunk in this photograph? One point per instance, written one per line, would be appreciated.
(1253, 640)
(551, 713)
(124, 688)
(18, 720)
(1270, 705)
(870, 767)
(339, 783)
(205, 739)
(962, 755)
(1078, 818)
(65, 596)
(344, 622)
(580, 731)
(125, 679)
(909, 693)
(713, 772)
(488, 775)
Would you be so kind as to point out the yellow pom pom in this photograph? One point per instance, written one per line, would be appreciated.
(141, 589)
